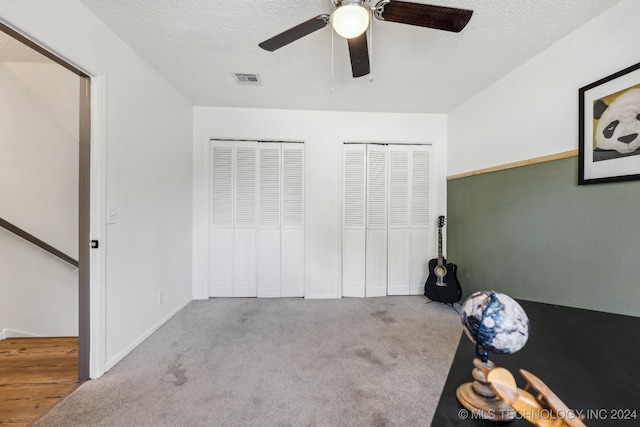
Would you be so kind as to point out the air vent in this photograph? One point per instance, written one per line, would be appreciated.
(247, 79)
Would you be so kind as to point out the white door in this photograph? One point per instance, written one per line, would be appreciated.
(257, 227)
(399, 232)
(409, 231)
(292, 231)
(269, 220)
(421, 219)
(353, 218)
(221, 216)
(245, 239)
(376, 247)
(386, 219)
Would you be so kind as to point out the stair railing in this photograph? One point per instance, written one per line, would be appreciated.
(42, 245)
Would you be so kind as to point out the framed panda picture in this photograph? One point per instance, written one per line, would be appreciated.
(609, 128)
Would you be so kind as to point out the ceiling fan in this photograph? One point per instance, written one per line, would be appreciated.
(352, 17)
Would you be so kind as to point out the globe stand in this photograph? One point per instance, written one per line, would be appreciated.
(479, 398)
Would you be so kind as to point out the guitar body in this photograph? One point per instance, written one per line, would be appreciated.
(442, 284)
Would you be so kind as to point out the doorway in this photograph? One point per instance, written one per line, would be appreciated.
(46, 127)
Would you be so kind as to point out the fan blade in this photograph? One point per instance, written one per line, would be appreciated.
(423, 15)
(359, 53)
(295, 33)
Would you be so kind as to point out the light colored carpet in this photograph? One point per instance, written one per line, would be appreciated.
(278, 362)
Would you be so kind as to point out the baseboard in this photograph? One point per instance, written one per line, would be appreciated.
(321, 296)
(417, 290)
(11, 333)
(118, 357)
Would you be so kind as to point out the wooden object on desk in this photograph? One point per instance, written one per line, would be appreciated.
(479, 398)
(544, 410)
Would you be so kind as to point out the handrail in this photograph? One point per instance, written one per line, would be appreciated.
(31, 238)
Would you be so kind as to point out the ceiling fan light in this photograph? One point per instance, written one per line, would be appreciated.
(350, 20)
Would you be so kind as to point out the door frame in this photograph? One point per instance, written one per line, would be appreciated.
(91, 270)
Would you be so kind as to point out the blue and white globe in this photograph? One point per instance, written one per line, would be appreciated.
(495, 322)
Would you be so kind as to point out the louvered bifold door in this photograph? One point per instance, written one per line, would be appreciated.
(376, 224)
(399, 232)
(221, 219)
(292, 232)
(421, 222)
(269, 220)
(354, 220)
(245, 220)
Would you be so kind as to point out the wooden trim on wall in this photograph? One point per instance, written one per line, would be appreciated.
(551, 157)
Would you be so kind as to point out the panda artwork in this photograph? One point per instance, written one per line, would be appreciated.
(617, 132)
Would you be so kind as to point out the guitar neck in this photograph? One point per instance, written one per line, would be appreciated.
(440, 257)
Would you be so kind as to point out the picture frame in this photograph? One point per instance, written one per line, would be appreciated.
(609, 128)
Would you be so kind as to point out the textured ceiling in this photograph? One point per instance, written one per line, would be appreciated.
(198, 44)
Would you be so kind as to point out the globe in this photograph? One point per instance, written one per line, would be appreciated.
(494, 322)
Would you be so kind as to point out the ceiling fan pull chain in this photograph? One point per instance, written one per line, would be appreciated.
(371, 37)
(332, 60)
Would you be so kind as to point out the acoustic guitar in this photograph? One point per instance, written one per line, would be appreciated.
(442, 284)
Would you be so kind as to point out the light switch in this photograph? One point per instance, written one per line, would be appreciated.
(112, 215)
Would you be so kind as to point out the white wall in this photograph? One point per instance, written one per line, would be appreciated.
(144, 128)
(533, 111)
(323, 134)
(38, 193)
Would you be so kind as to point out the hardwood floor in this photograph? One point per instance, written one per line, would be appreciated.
(35, 374)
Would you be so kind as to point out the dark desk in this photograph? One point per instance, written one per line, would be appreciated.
(589, 359)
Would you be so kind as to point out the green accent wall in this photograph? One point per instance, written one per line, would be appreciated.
(533, 233)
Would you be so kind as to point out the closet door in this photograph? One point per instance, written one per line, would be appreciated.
(376, 224)
(353, 230)
(399, 229)
(245, 220)
(269, 220)
(420, 219)
(387, 209)
(257, 224)
(221, 217)
(292, 231)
